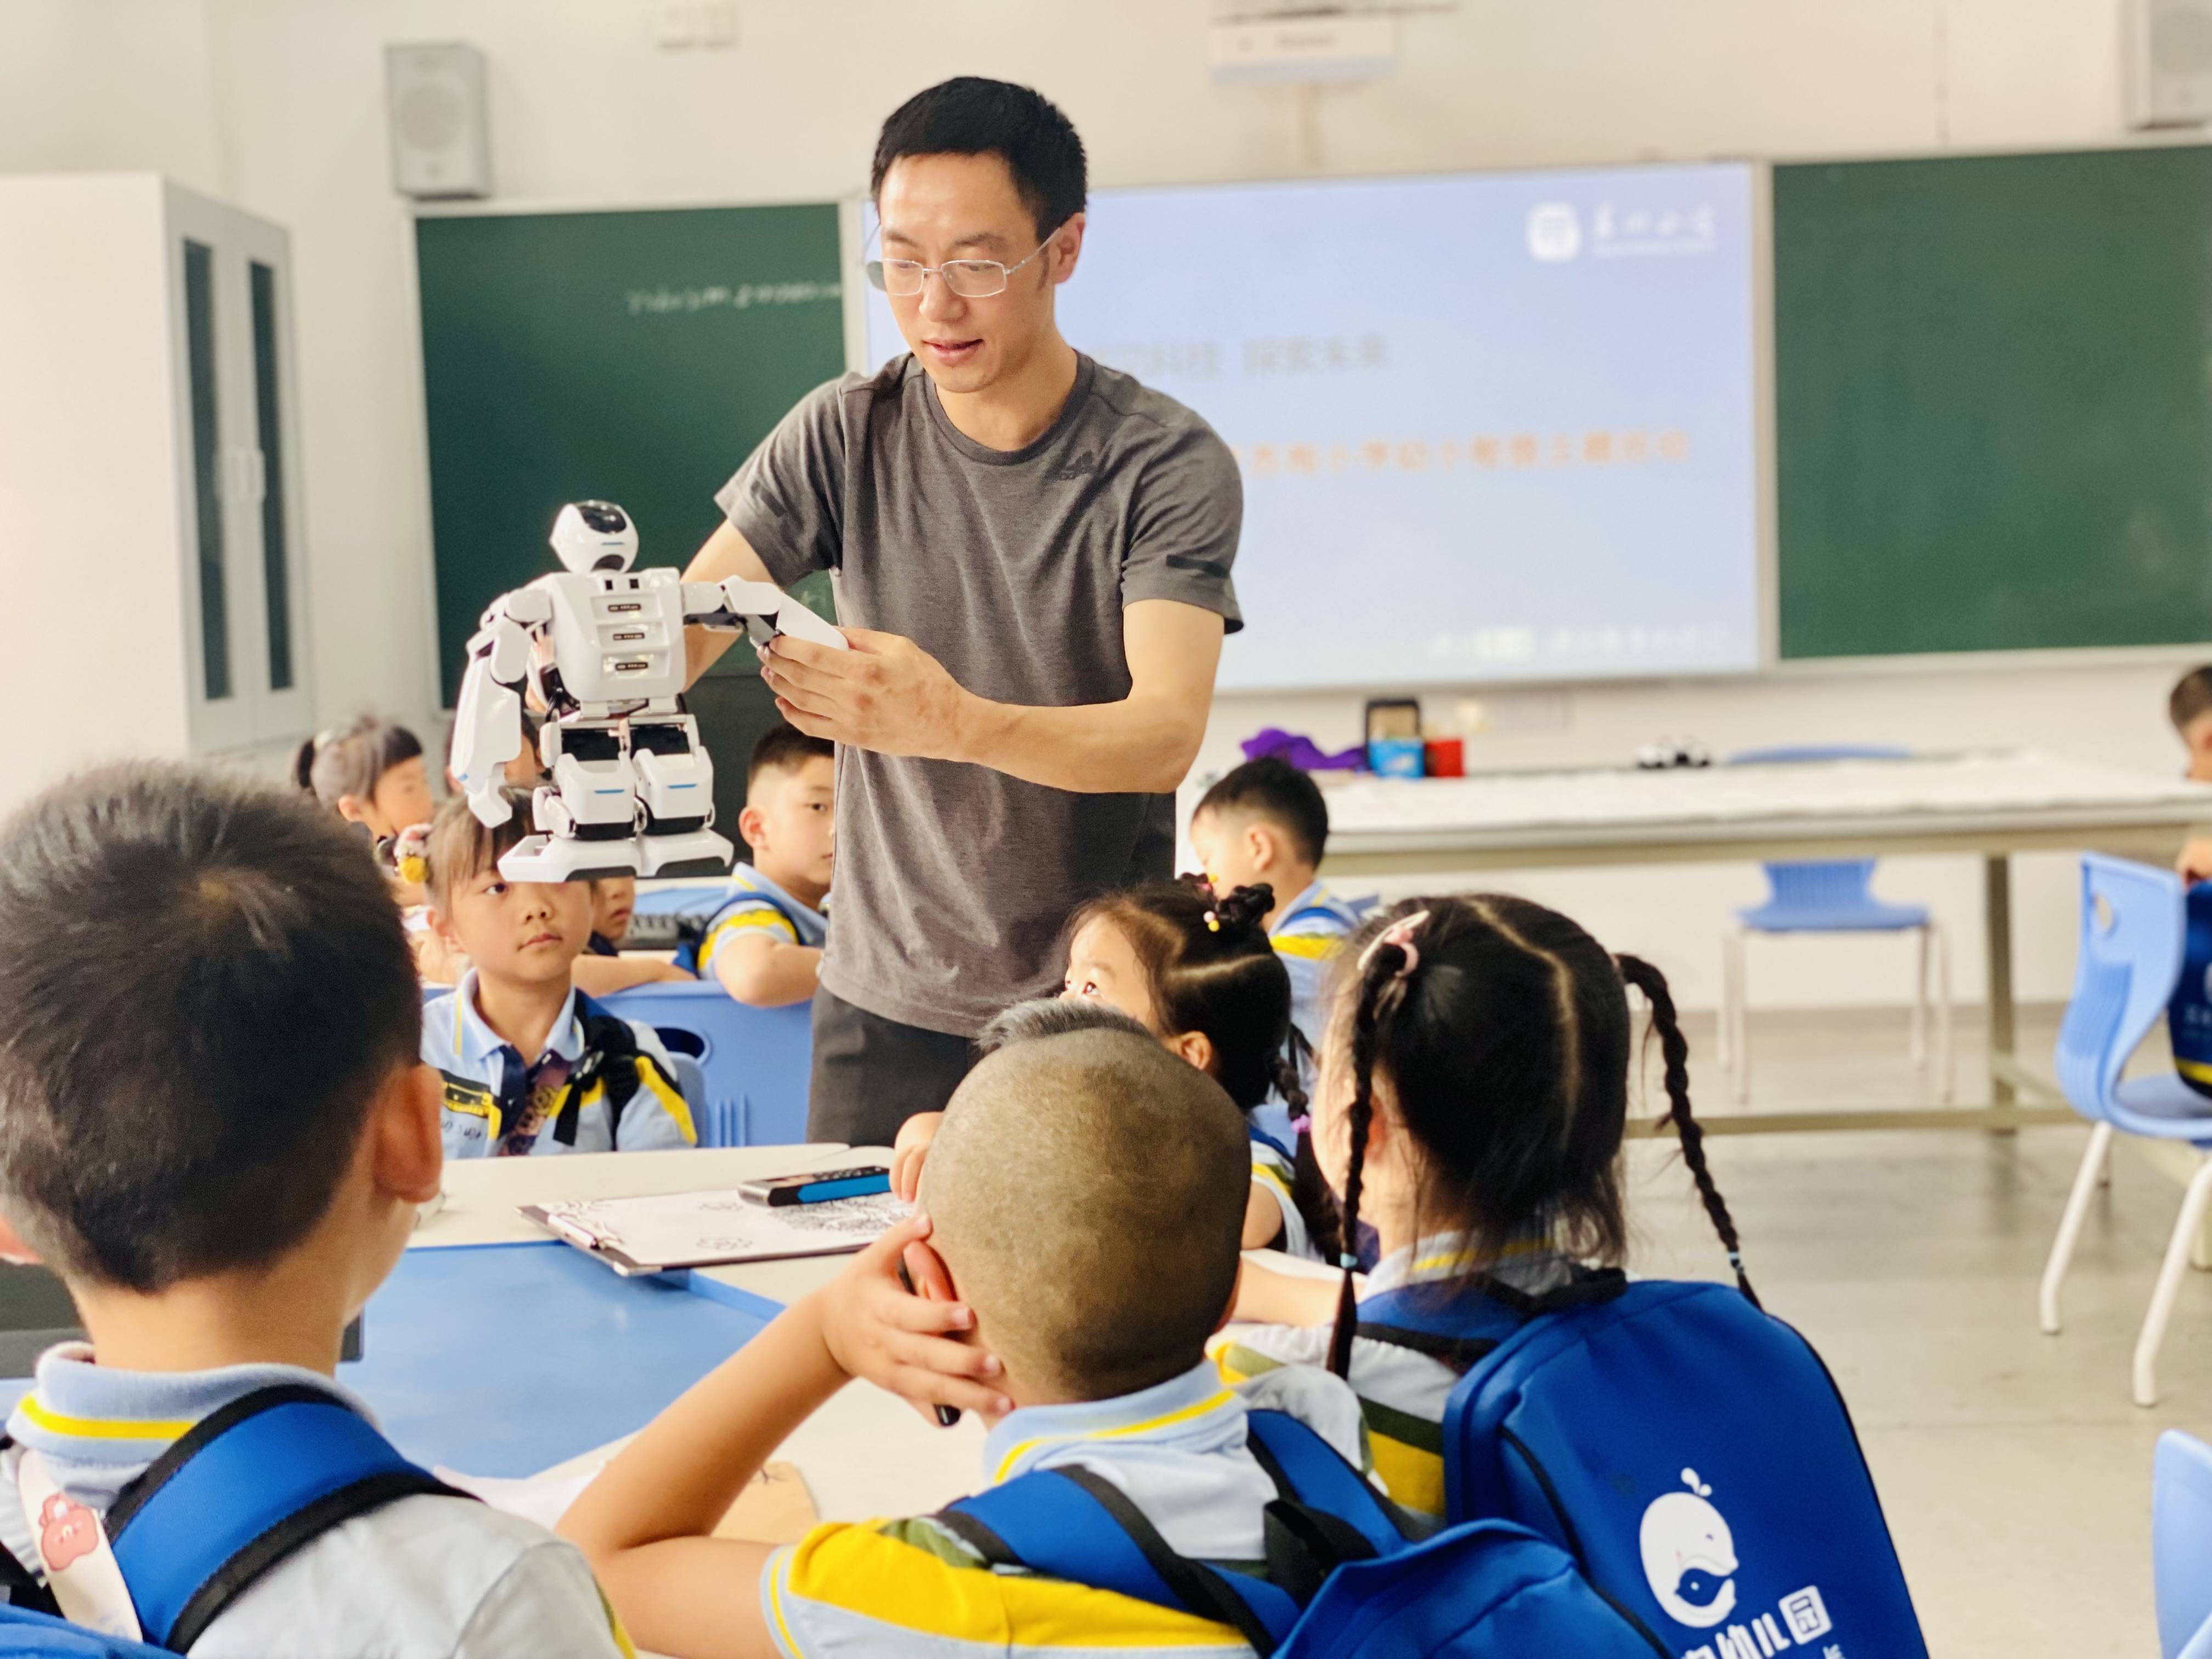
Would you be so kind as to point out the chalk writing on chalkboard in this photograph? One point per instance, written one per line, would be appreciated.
(731, 296)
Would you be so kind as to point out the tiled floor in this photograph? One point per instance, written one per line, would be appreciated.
(2015, 1468)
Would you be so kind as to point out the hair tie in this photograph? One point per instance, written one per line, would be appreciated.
(1400, 933)
(1348, 1261)
(1213, 921)
(1302, 1124)
(410, 860)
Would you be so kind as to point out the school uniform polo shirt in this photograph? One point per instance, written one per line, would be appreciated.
(1178, 1450)
(477, 1063)
(1402, 1395)
(757, 904)
(1313, 924)
(425, 1574)
(1273, 1170)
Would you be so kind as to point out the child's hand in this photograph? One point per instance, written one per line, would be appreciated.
(909, 1151)
(898, 1339)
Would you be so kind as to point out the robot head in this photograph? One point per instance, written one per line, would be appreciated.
(594, 535)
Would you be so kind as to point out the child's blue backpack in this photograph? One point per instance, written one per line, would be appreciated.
(1347, 1573)
(238, 1492)
(2189, 1016)
(1690, 1452)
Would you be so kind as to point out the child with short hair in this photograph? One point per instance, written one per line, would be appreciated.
(532, 1065)
(605, 967)
(1473, 1098)
(1197, 972)
(764, 943)
(2188, 706)
(219, 1216)
(1070, 1169)
(1266, 821)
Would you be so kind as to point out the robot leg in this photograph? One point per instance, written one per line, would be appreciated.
(676, 788)
(586, 812)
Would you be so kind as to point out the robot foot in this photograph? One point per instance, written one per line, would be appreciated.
(694, 853)
(560, 858)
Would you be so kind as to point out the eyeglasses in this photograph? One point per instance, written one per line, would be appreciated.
(971, 279)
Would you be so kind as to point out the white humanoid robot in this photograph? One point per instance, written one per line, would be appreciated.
(629, 791)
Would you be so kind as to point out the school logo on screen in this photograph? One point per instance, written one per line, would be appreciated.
(1555, 232)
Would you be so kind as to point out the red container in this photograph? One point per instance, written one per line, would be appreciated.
(1445, 757)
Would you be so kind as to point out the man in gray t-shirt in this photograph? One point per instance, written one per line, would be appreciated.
(1031, 553)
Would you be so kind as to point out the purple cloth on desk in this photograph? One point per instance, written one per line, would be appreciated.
(1301, 752)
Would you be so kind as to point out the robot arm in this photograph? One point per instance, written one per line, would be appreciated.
(488, 716)
(761, 609)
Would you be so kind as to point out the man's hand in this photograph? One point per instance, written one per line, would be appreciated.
(886, 694)
(900, 1340)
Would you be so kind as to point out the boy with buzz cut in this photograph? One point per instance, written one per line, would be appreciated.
(218, 1143)
(1266, 821)
(1081, 1208)
(764, 943)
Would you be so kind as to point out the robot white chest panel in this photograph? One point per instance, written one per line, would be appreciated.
(617, 638)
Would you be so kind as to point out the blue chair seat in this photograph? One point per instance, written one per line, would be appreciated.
(1868, 914)
(2163, 1108)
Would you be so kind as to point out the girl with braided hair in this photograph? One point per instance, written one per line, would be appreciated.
(1198, 972)
(1472, 1098)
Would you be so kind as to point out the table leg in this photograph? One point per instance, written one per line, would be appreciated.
(1997, 908)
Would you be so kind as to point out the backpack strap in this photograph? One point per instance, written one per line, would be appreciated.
(610, 1057)
(241, 1490)
(1073, 1524)
(19, 1585)
(1311, 1474)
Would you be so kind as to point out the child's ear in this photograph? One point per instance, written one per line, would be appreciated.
(1195, 1049)
(408, 1154)
(751, 822)
(1259, 846)
(12, 1248)
(927, 1271)
(352, 809)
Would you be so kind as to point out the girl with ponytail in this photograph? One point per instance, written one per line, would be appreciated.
(1198, 972)
(1471, 1102)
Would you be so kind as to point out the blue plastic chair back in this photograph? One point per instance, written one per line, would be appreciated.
(2181, 1542)
(755, 1063)
(1825, 895)
(2133, 921)
(692, 901)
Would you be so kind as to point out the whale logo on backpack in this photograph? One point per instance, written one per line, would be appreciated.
(1689, 1555)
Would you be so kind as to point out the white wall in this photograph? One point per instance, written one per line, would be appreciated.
(278, 105)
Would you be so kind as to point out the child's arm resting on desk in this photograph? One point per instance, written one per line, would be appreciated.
(644, 1523)
(602, 976)
(759, 968)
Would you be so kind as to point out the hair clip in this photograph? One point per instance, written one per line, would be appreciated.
(410, 860)
(1400, 933)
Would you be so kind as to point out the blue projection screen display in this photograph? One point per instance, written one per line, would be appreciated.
(1491, 428)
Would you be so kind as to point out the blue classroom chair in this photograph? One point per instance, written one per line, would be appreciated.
(2181, 1545)
(756, 1062)
(2134, 922)
(1830, 896)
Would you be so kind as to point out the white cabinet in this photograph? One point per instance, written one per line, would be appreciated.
(153, 592)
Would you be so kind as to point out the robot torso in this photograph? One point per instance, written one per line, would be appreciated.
(617, 637)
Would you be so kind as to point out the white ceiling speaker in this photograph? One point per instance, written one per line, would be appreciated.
(440, 126)
(2168, 63)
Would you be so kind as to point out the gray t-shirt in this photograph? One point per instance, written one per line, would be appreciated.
(1011, 569)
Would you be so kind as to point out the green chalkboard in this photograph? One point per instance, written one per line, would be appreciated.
(1994, 402)
(636, 357)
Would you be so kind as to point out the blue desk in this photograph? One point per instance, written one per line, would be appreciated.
(507, 1359)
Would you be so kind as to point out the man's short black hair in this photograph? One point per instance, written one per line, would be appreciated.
(2191, 696)
(784, 748)
(1272, 788)
(971, 116)
(205, 982)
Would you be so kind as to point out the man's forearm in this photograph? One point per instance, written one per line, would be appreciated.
(723, 555)
(1141, 745)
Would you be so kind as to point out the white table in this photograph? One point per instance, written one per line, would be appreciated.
(864, 1453)
(1991, 804)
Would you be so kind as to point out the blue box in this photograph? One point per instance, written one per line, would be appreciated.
(1396, 758)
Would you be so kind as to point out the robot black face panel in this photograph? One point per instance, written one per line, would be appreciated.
(603, 516)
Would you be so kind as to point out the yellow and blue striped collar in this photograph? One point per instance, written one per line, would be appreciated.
(476, 1041)
(1191, 1413)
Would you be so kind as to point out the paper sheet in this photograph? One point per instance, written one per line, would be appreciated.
(691, 1230)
